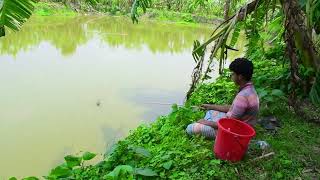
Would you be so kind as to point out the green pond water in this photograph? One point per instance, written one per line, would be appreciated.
(72, 84)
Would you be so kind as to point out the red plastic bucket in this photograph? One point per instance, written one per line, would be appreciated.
(232, 139)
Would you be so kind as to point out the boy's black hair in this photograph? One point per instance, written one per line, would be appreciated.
(242, 66)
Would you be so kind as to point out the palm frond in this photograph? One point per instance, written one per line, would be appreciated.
(14, 13)
(235, 35)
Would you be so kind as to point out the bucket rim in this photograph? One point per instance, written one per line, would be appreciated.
(241, 122)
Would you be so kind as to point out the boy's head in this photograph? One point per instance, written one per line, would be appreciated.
(242, 70)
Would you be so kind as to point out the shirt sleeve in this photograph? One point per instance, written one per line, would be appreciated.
(238, 107)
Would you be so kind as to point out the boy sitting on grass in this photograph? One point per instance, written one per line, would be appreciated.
(245, 106)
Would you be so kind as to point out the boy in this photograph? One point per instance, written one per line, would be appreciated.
(245, 106)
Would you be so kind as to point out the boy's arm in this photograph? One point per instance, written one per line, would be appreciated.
(221, 108)
(208, 123)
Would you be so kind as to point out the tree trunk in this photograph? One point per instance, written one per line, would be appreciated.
(297, 30)
(226, 9)
(298, 41)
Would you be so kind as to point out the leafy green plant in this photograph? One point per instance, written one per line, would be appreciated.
(269, 96)
(144, 4)
(14, 13)
(120, 172)
(30, 178)
(68, 168)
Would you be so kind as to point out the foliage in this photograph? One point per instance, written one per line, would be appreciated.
(202, 9)
(49, 9)
(312, 10)
(224, 92)
(72, 165)
(144, 4)
(165, 15)
(14, 13)
(315, 91)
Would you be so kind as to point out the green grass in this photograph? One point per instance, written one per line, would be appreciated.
(49, 9)
(59, 9)
(178, 17)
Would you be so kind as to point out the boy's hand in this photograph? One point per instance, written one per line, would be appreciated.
(202, 121)
(208, 123)
(205, 106)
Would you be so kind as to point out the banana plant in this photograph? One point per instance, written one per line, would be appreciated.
(14, 13)
(219, 38)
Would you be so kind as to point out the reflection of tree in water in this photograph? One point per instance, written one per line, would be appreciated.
(67, 33)
(64, 33)
(158, 37)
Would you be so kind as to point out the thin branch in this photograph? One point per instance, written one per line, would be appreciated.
(263, 156)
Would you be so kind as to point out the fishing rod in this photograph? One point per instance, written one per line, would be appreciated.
(167, 104)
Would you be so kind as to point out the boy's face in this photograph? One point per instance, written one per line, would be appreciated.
(235, 78)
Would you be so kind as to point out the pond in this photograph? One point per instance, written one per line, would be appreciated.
(72, 84)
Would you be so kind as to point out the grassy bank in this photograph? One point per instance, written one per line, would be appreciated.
(49, 9)
(163, 150)
(60, 9)
(164, 15)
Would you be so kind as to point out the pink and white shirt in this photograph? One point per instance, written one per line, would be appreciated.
(245, 106)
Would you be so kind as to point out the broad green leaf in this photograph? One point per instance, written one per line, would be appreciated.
(277, 92)
(167, 165)
(61, 171)
(145, 172)
(120, 171)
(174, 107)
(13, 178)
(105, 165)
(124, 167)
(72, 161)
(262, 93)
(88, 156)
(30, 178)
(111, 150)
(14, 13)
(140, 151)
(110, 176)
(269, 98)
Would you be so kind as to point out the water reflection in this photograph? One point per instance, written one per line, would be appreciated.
(68, 33)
